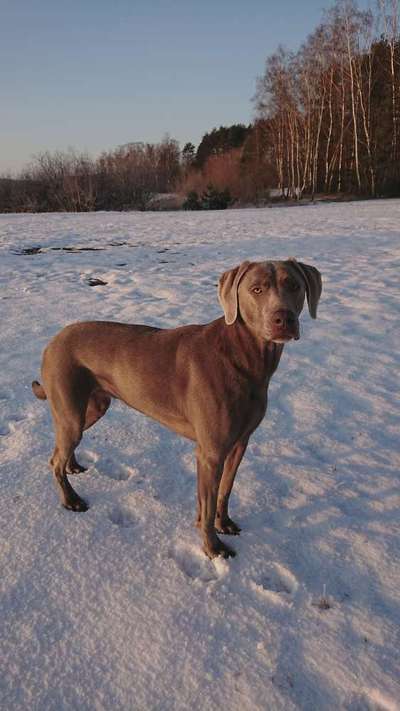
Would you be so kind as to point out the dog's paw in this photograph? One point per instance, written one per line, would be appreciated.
(74, 467)
(75, 503)
(214, 547)
(227, 526)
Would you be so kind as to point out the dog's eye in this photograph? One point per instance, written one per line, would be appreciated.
(257, 290)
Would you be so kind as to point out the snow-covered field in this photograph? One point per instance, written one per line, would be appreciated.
(118, 608)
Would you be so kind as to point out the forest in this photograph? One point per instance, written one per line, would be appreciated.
(326, 123)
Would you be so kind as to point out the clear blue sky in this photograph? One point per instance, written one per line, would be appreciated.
(94, 74)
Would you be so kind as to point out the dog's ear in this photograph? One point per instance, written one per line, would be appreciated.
(313, 283)
(228, 291)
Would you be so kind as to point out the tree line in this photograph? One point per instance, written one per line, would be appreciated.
(331, 111)
(327, 120)
(126, 178)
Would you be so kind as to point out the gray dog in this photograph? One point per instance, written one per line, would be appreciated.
(208, 383)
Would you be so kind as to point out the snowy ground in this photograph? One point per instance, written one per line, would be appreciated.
(118, 608)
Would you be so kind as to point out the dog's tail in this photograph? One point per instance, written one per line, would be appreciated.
(39, 390)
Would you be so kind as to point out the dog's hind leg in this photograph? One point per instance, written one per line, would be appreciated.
(68, 398)
(68, 436)
(97, 406)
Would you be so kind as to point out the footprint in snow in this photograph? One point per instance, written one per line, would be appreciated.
(87, 458)
(117, 471)
(371, 700)
(122, 516)
(277, 584)
(107, 466)
(193, 563)
(9, 425)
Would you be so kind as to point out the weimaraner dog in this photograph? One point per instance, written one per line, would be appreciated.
(207, 382)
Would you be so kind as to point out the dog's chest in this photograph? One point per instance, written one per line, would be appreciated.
(255, 405)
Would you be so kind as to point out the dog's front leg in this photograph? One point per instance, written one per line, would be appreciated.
(209, 472)
(223, 522)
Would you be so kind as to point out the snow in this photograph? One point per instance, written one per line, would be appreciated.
(118, 608)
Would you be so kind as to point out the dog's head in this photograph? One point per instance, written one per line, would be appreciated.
(269, 296)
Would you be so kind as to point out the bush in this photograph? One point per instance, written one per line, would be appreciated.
(192, 201)
(211, 199)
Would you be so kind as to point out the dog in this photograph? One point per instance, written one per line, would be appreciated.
(206, 382)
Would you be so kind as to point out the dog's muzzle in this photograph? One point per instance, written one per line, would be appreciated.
(284, 326)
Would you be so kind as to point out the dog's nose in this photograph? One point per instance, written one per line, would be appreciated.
(284, 319)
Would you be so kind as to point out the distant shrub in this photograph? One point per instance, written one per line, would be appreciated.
(210, 199)
(192, 201)
(214, 199)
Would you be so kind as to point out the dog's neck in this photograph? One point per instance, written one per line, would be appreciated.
(252, 354)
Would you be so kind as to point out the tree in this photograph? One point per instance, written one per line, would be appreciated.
(325, 119)
(188, 156)
(220, 140)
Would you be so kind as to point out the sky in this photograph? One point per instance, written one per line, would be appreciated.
(95, 74)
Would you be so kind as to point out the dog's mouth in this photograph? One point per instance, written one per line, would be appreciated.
(287, 335)
(285, 338)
